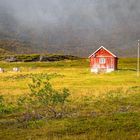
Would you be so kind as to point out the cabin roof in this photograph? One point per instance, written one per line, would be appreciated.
(102, 47)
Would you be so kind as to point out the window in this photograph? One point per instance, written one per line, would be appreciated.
(102, 60)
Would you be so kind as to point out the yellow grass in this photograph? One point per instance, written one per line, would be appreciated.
(79, 80)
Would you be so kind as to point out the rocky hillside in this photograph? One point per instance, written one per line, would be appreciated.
(8, 46)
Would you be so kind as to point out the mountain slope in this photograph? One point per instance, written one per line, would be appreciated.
(9, 46)
(76, 28)
(4, 52)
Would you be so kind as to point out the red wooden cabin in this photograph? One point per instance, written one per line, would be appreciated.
(102, 60)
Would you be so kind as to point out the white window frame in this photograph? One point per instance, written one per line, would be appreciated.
(102, 61)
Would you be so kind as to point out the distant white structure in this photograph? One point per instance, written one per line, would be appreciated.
(41, 58)
(1, 70)
(16, 69)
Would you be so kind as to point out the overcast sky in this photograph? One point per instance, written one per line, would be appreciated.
(88, 19)
(93, 12)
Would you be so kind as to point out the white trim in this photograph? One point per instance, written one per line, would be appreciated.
(102, 47)
(105, 56)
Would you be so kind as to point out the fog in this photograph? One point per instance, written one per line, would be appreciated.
(75, 26)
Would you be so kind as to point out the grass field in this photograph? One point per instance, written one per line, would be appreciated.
(108, 105)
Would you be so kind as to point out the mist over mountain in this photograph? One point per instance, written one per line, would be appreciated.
(75, 27)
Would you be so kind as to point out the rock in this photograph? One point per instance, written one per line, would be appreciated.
(1, 70)
(16, 69)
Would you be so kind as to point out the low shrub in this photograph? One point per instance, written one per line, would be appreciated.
(6, 108)
(58, 57)
(36, 57)
(44, 100)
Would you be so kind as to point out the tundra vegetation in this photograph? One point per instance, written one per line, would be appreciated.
(63, 100)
